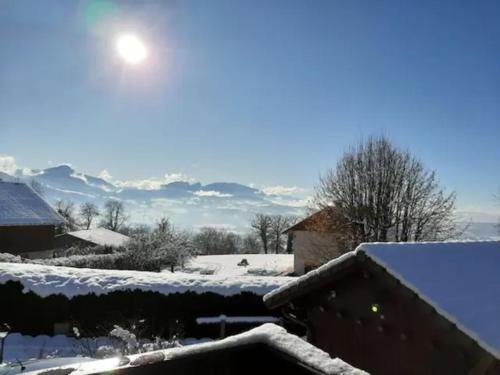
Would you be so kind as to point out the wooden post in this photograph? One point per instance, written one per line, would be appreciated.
(3, 336)
(222, 326)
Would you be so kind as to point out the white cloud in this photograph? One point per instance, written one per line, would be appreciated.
(154, 183)
(30, 172)
(283, 190)
(8, 164)
(211, 193)
(296, 203)
(104, 174)
(478, 215)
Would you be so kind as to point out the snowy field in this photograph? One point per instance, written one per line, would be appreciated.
(227, 265)
(22, 347)
(25, 348)
(71, 282)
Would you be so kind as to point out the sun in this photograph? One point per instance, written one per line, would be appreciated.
(131, 49)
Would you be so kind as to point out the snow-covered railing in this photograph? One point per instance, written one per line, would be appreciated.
(237, 319)
(223, 320)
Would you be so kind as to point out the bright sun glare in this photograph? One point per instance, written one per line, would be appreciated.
(131, 49)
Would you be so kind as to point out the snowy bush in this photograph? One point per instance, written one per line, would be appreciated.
(98, 261)
(263, 272)
(85, 250)
(119, 341)
(9, 258)
(128, 340)
(163, 247)
(145, 254)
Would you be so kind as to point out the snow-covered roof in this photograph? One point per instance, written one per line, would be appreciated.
(461, 280)
(227, 265)
(70, 282)
(267, 334)
(101, 236)
(20, 205)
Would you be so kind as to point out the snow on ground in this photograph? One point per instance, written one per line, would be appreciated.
(37, 366)
(18, 347)
(23, 347)
(71, 282)
(268, 334)
(227, 265)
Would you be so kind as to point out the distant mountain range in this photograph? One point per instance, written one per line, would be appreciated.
(188, 204)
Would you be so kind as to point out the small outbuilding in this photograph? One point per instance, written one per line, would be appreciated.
(27, 223)
(403, 308)
(91, 237)
(319, 237)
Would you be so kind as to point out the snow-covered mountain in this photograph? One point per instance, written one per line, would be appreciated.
(188, 204)
(191, 204)
(482, 231)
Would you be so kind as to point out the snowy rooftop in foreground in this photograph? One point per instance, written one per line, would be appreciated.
(268, 334)
(100, 236)
(71, 282)
(20, 205)
(460, 279)
(227, 265)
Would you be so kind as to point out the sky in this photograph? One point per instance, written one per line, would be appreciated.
(257, 92)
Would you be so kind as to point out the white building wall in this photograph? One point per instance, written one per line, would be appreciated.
(312, 248)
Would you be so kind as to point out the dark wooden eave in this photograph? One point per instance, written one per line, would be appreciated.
(312, 281)
(298, 291)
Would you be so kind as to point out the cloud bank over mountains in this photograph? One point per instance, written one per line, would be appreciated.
(187, 202)
(191, 204)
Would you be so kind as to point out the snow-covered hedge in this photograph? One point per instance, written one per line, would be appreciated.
(97, 261)
(41, 296)
(70, 282)
(9, 258)
(124, 260)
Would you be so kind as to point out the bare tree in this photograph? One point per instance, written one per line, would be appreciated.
(67, 210)
(261, 224)
(88, 212)
(164, 227)
(385, 194)
(213, 241)
(250, 244)
(136, 231)
(278, 225)
(164, 246)
(114, 216)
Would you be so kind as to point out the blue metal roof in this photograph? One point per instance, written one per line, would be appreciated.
(20, 205)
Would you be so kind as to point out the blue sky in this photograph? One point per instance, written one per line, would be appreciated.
(263, 92)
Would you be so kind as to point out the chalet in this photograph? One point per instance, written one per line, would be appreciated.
(27, 223)
(406, 308)
(268, 349)
(91, 237)
(319, 237)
